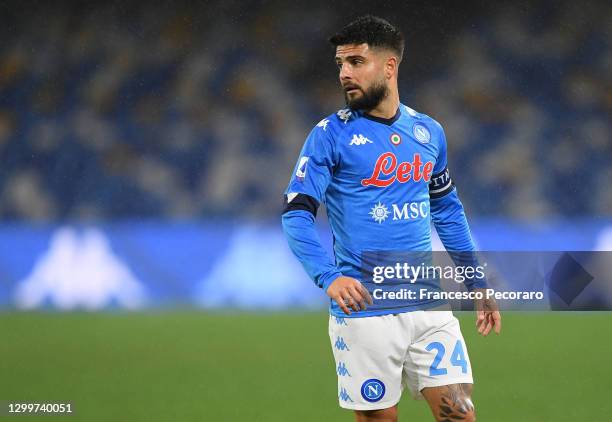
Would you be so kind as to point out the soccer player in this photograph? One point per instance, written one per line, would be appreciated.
(381, 169)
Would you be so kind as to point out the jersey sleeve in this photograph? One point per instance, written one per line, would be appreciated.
(303, 240)
(311, 176)
(441, 183)
(313, 171)
(449, 217)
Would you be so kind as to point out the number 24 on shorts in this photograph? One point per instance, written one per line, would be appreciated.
(457, 358)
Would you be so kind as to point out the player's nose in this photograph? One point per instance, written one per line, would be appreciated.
(345, 74)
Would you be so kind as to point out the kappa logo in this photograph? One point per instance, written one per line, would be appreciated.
(343, 395)
(360, 140)
(341, 321)
(344, 114)
(80, 270)
(342, 371)
(323, 123)
(341, 345)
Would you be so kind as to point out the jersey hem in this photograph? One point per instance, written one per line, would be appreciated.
(338, 313)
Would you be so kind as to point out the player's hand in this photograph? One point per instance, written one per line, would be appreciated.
(348, 292)
(487, 315)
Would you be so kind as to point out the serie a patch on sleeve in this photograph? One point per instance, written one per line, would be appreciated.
(300, 201)
(441, 184)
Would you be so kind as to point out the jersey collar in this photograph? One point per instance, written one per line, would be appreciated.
(382, 120)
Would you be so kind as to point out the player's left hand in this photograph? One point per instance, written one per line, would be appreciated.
(348, 292)
(487, 315)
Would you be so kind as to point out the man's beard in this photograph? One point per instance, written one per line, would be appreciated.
(369, 99)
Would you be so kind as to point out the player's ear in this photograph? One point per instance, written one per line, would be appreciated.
(391, 66)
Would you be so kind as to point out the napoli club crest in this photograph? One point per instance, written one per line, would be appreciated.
(372, 390)
(421, 133)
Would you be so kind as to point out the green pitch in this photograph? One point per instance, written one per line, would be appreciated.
(194, 366)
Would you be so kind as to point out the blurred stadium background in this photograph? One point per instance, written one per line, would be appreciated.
(145, 148)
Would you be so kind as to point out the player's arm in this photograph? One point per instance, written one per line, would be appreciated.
(306, 189)
(449, 218)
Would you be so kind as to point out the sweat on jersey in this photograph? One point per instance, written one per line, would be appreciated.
(383, 181)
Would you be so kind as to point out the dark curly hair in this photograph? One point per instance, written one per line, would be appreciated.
(374, 31)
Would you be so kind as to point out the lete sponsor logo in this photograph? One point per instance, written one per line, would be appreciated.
(387, 170)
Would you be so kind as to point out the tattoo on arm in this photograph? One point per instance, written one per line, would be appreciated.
(455, 402)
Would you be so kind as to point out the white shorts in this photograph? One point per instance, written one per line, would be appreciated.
(377, 357)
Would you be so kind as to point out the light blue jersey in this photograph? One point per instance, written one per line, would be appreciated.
(383, 181)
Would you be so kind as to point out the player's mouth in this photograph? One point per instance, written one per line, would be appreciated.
(351, 89)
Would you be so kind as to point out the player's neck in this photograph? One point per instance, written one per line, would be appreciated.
(387, 107)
